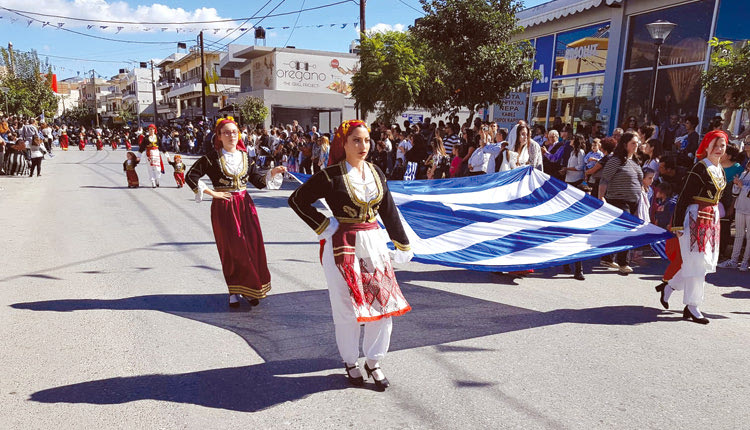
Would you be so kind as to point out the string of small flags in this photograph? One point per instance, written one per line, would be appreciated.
(182, 29)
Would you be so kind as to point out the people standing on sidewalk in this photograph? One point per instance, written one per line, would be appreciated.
(233, 215)
(36, 153)
(620, 186)
(741, 193)
(356, 261)
(696, 224)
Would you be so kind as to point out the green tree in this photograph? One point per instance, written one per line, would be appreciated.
(253, 110)
(473, 60)
(79, 115)
(30, 90)
(727, 81)
(391, 74)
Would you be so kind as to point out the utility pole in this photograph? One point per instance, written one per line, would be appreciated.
(96, 108)
(12, 59)
(362, 29)
(203, 77)
(153, 93)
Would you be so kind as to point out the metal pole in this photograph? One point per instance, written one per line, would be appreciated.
(653, 83)
(362, 29)
(153, 93)
(12, 59)
(96, 108)
(203, 78)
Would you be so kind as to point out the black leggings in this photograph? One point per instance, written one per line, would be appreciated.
(36, 162)
(631, 208)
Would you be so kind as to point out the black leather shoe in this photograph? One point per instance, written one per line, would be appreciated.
(660, 288)
(380, 384)
(356, 381)
(234, 305)
(686, 314)
(253, 302)
(579, 276)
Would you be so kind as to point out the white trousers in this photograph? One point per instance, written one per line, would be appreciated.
(154, 173)
(742, 225)
(377, 337)
(690, 279)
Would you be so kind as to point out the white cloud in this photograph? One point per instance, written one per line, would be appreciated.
(101, 10)
(382, 28)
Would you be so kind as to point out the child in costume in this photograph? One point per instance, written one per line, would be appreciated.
(129, 167)
(179, 169)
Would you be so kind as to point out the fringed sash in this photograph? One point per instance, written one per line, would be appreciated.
(704, 229)
(343, 243)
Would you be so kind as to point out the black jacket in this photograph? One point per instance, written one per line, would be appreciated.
(701, 186)
(212, 164)
(332, 184)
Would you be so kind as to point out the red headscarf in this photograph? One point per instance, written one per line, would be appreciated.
(337, 152)
(151, 126)
(217, 134)
(706, 142)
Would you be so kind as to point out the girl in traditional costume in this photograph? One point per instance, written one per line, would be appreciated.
(233, 215)
(356, 260)
(179, 170)
(129, 167)
(695, 250)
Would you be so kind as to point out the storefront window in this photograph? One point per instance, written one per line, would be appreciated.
(539, 108)
(576, 100)
(685, 44)
(582, 51)
(677, 92)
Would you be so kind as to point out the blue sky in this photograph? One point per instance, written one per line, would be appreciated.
(49, 40)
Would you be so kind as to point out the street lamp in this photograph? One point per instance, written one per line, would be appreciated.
(659, 31)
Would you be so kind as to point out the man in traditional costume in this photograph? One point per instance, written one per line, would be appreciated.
(695, 250)
(233, 215)
(149, 143)
(356, 260)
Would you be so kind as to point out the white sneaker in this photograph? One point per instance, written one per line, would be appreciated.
(610, 264)
(626, 269)
(728, 264)
(743, 267)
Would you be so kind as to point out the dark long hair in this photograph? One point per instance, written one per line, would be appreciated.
(658, 148)
(520, 127)
(579, 142)
(621, 150)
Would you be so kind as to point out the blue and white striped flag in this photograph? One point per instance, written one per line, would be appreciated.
(516, 220)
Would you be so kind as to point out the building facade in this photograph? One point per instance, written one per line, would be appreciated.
(311, 87)
(596, 59)
(183, 84)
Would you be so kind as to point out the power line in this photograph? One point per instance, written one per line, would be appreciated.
(411, 7)
(296, 21)
(18, 11)
(257, 23)
(215, 43)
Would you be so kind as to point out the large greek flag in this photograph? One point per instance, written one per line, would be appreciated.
(517, 220)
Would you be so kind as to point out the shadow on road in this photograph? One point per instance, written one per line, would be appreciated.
(293, 333)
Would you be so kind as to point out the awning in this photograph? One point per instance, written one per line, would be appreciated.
(557, 9)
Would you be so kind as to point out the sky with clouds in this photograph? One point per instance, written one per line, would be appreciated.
(48, 27)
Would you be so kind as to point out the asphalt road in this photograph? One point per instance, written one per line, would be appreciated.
(113, 314)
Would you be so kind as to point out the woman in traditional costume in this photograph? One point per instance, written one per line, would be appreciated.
(357, 264)
(233, 214)
(695, 250)
(150, 145)
(64, 140)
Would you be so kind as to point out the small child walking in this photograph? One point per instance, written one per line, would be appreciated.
(129, 167)
(36, 152)
(179, 170)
